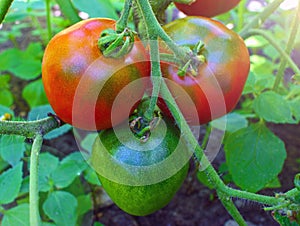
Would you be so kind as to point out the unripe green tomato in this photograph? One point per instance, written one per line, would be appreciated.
(141, 177)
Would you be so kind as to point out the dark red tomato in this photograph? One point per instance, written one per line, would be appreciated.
(81, 84)
(217, 87)
(207, 8)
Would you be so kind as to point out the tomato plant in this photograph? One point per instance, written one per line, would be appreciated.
(81, 84)
(207, 8)
(218, 84)
(140, 177)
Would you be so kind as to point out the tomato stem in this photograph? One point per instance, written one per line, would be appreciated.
(48, 17)
(121, 24)
(154, 30)
(33, 181)
(156, 78)
(261, 17)
(288, 50)
(274, 43)
(28, 128)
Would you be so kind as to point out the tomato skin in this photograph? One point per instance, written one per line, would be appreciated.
(207, 8)
(74, 71)
(140, 177)
(217, 87)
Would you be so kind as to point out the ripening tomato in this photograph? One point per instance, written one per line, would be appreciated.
(141, 177)
(207, 8)
(81, 84)
(217, 86)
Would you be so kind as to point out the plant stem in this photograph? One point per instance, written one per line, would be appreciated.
(48, 17)
(4, 6)
(122, 22)
(261, 17)
(156, 78)
(154, 29)
(233, 211)
(33, 181)
(274, 43)
(241, 11)
(28, 129)
(288, 50)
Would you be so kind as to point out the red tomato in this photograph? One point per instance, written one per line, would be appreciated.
(207, 8)
(81, 84)
(218, 84)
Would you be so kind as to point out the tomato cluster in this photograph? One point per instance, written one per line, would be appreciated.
(82, 86)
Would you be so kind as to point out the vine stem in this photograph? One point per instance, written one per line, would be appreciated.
(275, 44)
(48, 17)
(4, 6)
(288, 50)
(261, 17)
(34, 215)
(122, 22)
(155, 30)
(29, 129)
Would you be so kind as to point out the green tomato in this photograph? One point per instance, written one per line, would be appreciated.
(141, 177)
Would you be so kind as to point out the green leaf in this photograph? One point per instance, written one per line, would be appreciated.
(96, 8)
(42, 112)
(4, 109)
(230, 122)
(10, 184)
(90, 176)
(84, 204)
(295, 108)
(68, 170)
(25, 186)
(6, 97)
(68, 10)
(87, 142)
(23, 64)
(273, 108)
(254, 156)
(47, 164)
(17, 216)
(12, 148)
(34, 94)
(61, 207)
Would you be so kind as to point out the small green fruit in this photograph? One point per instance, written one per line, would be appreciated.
(141, 177)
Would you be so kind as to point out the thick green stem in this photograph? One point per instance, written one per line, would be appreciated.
(261, 17)
(275, 44)
(288, 50)
(48, 16)
(241, 11)
(232, 210)
(122, 22)
(4, 6)
(33, 181)
(154, 29)
(28, 129)
(156, 78)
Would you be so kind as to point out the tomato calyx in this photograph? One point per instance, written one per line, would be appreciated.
(141, 127)
(116, 44)
(196, 58)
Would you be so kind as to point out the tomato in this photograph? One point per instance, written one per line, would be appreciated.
(81, 84)
(218, 84)
(141, 177)
(207, 8)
